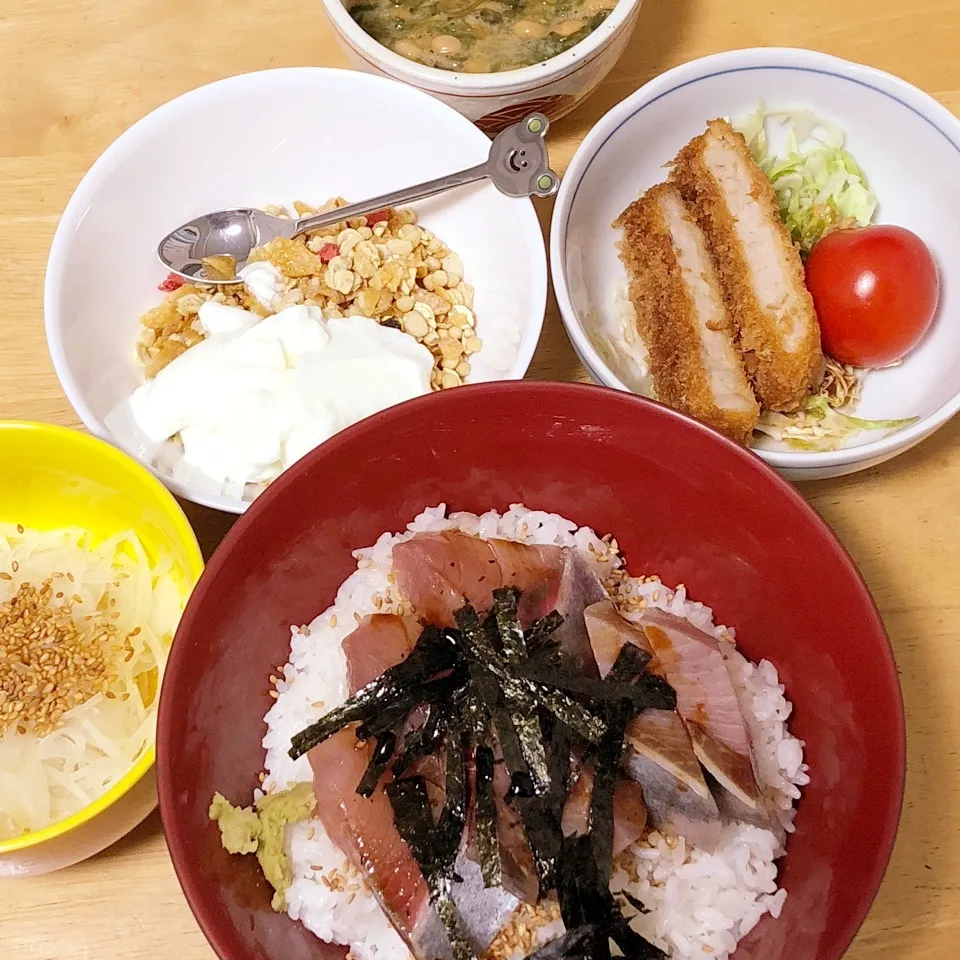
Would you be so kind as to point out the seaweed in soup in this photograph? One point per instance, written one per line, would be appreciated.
(480, 36)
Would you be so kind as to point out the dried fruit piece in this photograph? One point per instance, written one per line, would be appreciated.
(327, 252)
(171, 283)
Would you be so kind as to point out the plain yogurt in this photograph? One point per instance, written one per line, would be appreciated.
(257, 394)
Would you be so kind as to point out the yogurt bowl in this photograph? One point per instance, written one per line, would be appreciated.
(103, 271)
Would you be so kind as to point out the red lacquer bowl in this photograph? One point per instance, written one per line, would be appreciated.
(682, 502)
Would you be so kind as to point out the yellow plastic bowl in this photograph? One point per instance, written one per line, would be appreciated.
(51, 477)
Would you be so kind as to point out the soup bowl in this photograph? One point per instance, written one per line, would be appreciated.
(495, 100)
(682, 502)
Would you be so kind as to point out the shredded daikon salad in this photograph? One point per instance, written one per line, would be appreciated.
(84, 635)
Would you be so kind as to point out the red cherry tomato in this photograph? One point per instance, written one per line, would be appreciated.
(875, 290)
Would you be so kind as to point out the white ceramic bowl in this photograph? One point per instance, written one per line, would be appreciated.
(274, 137)
(907, 144)
(495, 100)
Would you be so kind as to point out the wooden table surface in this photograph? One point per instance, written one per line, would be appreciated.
(75, 73)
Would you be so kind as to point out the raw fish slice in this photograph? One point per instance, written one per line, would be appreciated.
(380, 640)
(433, 769)
(660, 757)
(733, 771)
(364, 831)
(536, 570)
(765, 815)
(694, 666)
(661, 736)
(672, 807)
(658, 735)
(659, 754)
(519, 870)
(441, 572)
(580, 588)
(608, 632)
(629, 814)
(362, 828)
(629, 810)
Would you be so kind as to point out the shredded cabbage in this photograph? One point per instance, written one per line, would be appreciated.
(818, 184)
(46, 778)
(820, 426)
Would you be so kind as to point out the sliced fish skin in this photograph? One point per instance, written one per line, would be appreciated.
(483, 910)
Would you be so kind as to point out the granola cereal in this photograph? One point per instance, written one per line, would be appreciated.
(383, 266)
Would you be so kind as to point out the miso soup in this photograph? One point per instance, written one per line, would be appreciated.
(479, 36)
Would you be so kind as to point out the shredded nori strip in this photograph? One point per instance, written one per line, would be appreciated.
(434, 653)
(424, 740)
(586, 901)
(648, 692)
(435, 848)
(542, 630)
(633, 901)
(608, 757)
(391, 715)
(518, 728)
(381, 756)
(506, 601)
(517, 688)
(571, 944)
(560, 743)
(488, 843)
(631, 661)
(544, 836)
(491, 685)
(411, 814)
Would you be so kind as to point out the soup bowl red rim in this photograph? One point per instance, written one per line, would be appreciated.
(180, 851)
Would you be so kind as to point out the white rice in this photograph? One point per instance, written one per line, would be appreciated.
(699, 904)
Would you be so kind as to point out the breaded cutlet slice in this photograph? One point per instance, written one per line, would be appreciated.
(759, 266)
(681, 315)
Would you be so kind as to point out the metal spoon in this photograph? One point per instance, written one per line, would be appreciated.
(518, 166)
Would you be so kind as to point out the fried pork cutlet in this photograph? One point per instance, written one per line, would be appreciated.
(681, 315)
(759, 266)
